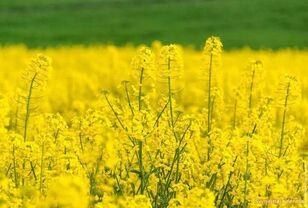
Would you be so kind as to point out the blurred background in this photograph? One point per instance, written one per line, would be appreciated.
(257, 24)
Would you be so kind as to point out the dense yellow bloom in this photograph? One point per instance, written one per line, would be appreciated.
(195, 197)
(172, 135)
(213, 50)
(144, 60)
(170, 62)
(213, 45)
(67, 191)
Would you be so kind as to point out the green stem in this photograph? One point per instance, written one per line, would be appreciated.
(251, 89)
(160, 114)
(209, 115)
(115, 113)
(14, 168)
(80, 141)
(226, 187)
(141, 170)
(140, 88)
(42, 163)
(80, 137)
(140, 144)
(119, 120)
(170, 102)
(259, 117)
(170, 99)
(284, 120)
(209, 106)
(234, 114)
(33, 170)
(246, 176)
(8, 169)
(170, 93)
(178, 151)
(28, 106)
(128, 99)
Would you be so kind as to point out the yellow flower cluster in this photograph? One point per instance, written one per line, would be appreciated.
(164, 126)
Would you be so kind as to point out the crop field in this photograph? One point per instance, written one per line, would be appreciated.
(153, 103)
(104, 126)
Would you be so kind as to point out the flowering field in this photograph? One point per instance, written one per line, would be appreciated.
(165, 126)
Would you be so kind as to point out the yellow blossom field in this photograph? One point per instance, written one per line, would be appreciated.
(159, 126)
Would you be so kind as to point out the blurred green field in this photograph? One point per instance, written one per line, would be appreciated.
(254, 23)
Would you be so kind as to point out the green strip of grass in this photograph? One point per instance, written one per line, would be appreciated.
(257, 24)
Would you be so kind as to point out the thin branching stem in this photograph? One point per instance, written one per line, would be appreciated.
(209, 106)
(140, 88)
(251, 89)
(284, 120)
(170, 99)
(115, 113)
(227, 185)
(234, 113)
(15, 168)
(27, 116)
(160, 114)
(42, 167)
(141, 168)
(140, 143)
(33, 170)
(246, 175)
(209, 113)
(128, 99)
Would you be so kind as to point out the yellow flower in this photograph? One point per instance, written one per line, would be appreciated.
(170, 62)
(67, 191)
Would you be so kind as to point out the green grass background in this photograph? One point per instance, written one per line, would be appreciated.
(254, 23)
